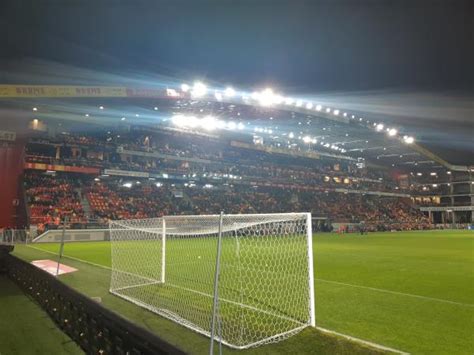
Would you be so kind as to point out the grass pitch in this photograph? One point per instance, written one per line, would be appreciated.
(413, 291)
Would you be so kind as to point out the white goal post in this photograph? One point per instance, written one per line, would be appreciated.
(265, 275)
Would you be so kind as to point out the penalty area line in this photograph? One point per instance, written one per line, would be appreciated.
(397, 293)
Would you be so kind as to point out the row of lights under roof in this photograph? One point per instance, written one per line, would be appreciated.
(267, 97)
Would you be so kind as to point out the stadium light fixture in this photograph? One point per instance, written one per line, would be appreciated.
(208, 123)
(408, 139)
(307, 139)
(448, 172)
(266, 97)
(185, 87)
(123, 119)
(218, 96)
(240, 126)
(392, 132)
(336, 112)
(309, 105)
(35, 109)
(155, 108)
(319, 107)
(328, 110)
(101, 107)
(127, 184)
(199, 89)
(299, 103)
(289, 101)
(231, 125)
(87, 115)
(379, 127)
(159, 184)
(291, 135)
(229, 92)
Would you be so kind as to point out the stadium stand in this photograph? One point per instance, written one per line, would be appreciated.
(164, 173)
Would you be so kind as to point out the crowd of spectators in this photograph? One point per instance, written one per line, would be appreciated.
(225, 177)
(203, 156)
(113, 198)
(51, 199)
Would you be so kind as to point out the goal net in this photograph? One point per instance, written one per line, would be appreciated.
(265, 274)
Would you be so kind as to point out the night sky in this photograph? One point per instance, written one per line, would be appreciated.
(332, 49)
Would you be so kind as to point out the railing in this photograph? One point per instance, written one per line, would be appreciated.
(94, 328)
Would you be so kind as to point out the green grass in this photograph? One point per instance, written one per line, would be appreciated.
(410, 291)
(25, 328)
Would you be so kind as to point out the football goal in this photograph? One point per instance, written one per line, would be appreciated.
(245, 280)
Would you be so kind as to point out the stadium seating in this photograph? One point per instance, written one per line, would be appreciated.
(213, 175)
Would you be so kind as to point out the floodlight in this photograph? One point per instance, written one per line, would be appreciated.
(178, 120)
(266, 97)
(231, 125)
(291, 135)
(392, 132)
(307, 139)
(336, 112)
(240, 126)
(199, 89)
(185, 87)
(209, 123)
(408, 140)
(127, 184)
(218, 96)
(229, 92)
(191, 121)
(309, 105)
(319, 107)
(379, 127)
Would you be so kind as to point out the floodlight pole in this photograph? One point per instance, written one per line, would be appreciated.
(61, 247)
(216, 289)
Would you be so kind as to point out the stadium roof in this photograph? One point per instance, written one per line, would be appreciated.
(281, 121)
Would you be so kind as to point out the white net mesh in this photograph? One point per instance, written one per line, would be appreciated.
(167, 265)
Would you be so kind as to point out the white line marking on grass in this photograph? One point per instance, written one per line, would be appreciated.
(71, 257)
(361, 341)
(397, 293)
